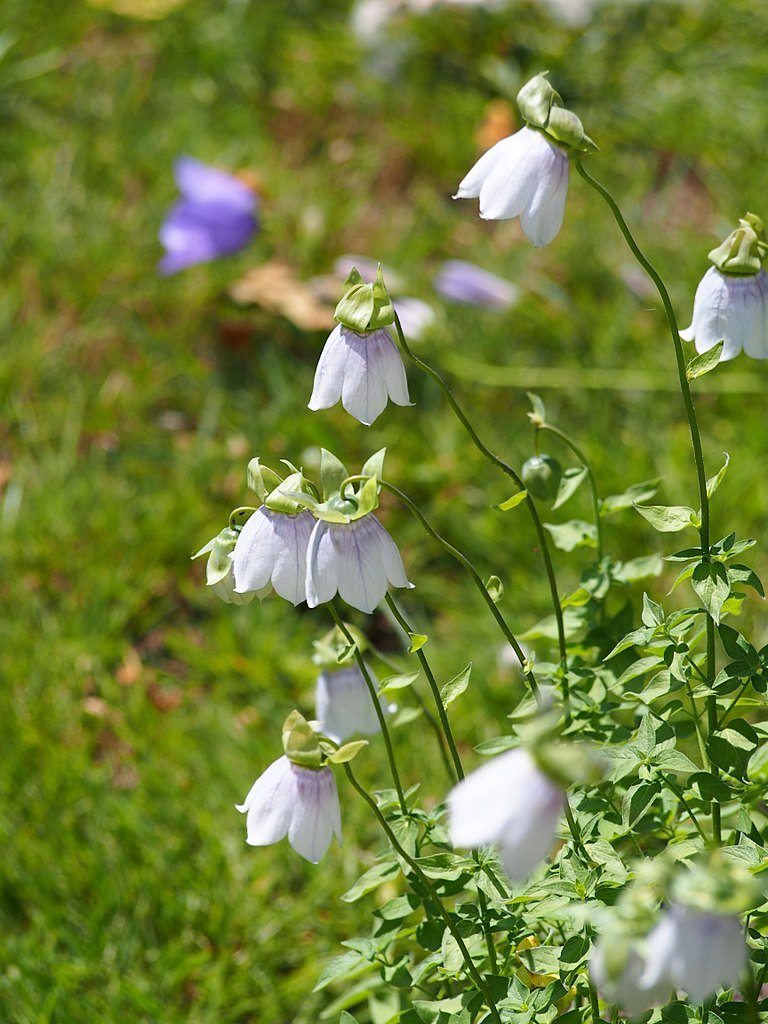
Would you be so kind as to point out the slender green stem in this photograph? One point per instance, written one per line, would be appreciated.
(721, 720)
(594, 1003)
(477, 579)
(590, 477)
(449, 922)
(578, 840)
(700, 737)
(440, 708)
(510, 472)
(698, 455)
(489, 943)
(376, 703)
(674, 788)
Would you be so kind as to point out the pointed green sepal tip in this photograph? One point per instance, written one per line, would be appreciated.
(365, 307)
(218, 550)
(744, 250)
(261, 479)
(301, 743)
(542, 107)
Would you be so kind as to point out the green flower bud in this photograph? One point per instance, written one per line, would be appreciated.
(541, 475)
(542, 108)
(365, 307)
(744, 250)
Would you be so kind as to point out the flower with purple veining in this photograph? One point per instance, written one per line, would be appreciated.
(732, 308)
(302, 803)
(459, 281)
(272, 548)
(216, 216)
(357, 560)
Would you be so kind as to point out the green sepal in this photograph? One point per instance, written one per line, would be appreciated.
(744, 250)
(289, 496)
(333, 649)
(365, 307)
(367, 499)
(374, 466)
(333, 473)
(261, 479)
(542, 108)
(301, 743)
(347, 752)
(218, 549)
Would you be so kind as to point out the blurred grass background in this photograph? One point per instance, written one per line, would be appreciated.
(137, 709)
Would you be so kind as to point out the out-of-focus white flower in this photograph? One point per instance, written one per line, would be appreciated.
(695, 950)
(509, 801)
(525, 176)
(624, 987)
(363, 370)
(733, 308)
(415, 315)
(302, 803)
(573, 13)
(343, 705)
(459, 281)
(272, 549)
(357, 560)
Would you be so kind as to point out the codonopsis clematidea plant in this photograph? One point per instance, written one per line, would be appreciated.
(608, 855)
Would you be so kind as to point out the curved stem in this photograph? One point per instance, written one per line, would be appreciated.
(463, 560)
(439, 706)
(376, 703)
(674, 788)
(449, 922)
(590, 477)
(510, 472)
(693, 424)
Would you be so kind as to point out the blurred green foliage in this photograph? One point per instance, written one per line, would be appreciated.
(136, 709)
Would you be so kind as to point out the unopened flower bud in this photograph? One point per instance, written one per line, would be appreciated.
(541, 475)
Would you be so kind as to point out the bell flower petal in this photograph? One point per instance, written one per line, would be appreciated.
(298, 802)
(459, 281)
(731, 308)
(272, 549)
(358, 560)
(626, 989)
(343, 705)
(509, 801)
(525, 176)
(363, 370)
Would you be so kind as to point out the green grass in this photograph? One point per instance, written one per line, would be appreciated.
(136, 709)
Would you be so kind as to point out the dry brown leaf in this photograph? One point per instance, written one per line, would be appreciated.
(275, 287)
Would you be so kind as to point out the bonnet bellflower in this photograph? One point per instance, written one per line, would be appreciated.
(302, 803)
(272, 549)
(731, 301)
(526, 174)
(216, 216)
(343, 705)
(361, 364)
(459, 281)
(509, 801)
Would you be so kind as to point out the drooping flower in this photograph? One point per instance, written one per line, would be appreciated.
(459, 281)
(302, 803)
(695, 950)
(219, 573)
(364, 370)
(216, 216)
(625, 985)
(415, 315)
(343, 705)
(526, 174)
(509, 801)
(731, 304)
(357, 560)
(272, 549)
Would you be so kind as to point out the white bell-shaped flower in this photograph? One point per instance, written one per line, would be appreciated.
(363, 370)
(272, 549)
(302, 803)
(509, 801)
(731, 308)
(357, 560)
(343, 705)
(697, 951)
(625, 988)
(525, 176)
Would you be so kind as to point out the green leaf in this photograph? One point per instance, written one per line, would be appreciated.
(636, 569)
(570, 482)
(653, 613)
(736, 646)
(757, 767)
(394, 683)
(513, 502)
(497, 745)
(495, 589)
(636, 493)
(371, 880)
(668, 518)
(637, 638)
(347, 752)
(456, 686)
(636, 801)
(732, 747)
(709, 786)
(705, 362)
(674, 761)
(714, 481)
(417, 642)
(710, 581)
(574, 534)
(742, 574)
(341, 968)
